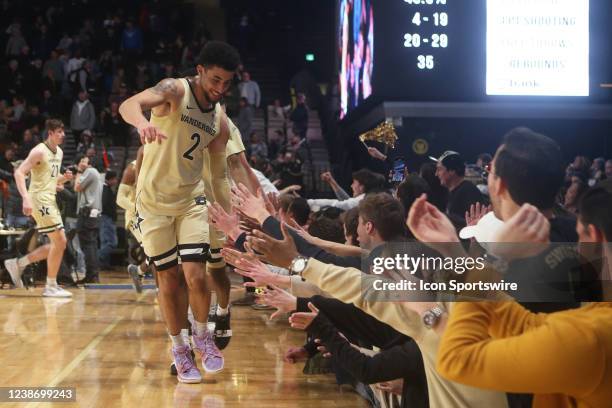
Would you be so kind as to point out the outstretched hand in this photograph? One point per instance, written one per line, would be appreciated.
(248, 204)
(283, 301)
(302, 320)
(254, 269)
(428, 224)
(475, 213)
(525, 234)
(278, 252)
(223, 221)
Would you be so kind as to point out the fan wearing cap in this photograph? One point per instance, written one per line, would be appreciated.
(450, 170)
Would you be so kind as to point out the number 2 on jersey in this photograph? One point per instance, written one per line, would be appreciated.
(187, 154)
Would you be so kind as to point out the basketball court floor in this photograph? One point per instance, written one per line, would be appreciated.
(111, 345)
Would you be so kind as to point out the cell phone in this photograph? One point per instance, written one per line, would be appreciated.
(397, 174)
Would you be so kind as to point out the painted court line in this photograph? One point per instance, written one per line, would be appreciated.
(79, 358)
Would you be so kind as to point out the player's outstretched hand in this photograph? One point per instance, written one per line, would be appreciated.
(248, 204)
(149, 133)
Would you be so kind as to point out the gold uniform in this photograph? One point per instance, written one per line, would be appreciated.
(217, 238)
(42, 190)
(131, 221)
(170, 203)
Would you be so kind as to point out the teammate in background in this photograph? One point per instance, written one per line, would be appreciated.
(43, 162)
(240, 172)
(126, 199)
(185, 120)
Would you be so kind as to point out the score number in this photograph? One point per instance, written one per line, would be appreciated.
(414, 40)
(425, 62)
(417, 2)
(439, 19)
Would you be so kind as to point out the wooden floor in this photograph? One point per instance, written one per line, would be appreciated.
(112, 346)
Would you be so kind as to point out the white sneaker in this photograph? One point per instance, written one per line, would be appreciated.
(13, 269)
(56, 291)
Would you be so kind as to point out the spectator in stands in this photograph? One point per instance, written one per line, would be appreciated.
(67, 200)
(33, 118)
(483, 160)
(119, 80)
(411, 188)
(13, 207)
(244, 122)
(86, 142)
(65, 43)
(364, 182)
(275, 144)
(94, 160)
(83, 116)
(438, 195)
(54, 66)
(15, 43)
(42, 44)
(17, 110)
(28, 142)
(6, 164)
(608, 169)
(573, 195)
(108, 229)
(74, 70)
(49, 82)
(249, 89)
(88, 185)
(114, 126)
(257, 146)
(450, 170)
(289, 169)
(299, 117)
(121, 96)
(598, 170)
(12, 80)
(277, 111)
(49, 105)
(299, 210)
(131, 39)
(579, 169)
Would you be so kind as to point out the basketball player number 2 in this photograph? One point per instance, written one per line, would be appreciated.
(187, 154)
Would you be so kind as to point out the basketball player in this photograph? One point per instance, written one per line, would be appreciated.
(171, 208)
(240, 172)
(43, 163)
(126, 199)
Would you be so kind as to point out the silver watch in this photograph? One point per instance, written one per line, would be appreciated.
(432, 316)
(298, 265)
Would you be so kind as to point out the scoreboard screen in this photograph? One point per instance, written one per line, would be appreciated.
(473, 51)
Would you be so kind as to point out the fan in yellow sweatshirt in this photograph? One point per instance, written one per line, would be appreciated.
(564, 358)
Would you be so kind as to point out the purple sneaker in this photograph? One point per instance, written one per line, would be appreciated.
(187, 372)
(212, 359)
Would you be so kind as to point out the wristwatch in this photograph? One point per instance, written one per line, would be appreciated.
(298, 265)
(432, 316)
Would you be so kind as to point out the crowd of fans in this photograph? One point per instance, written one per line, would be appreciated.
(509, 353)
